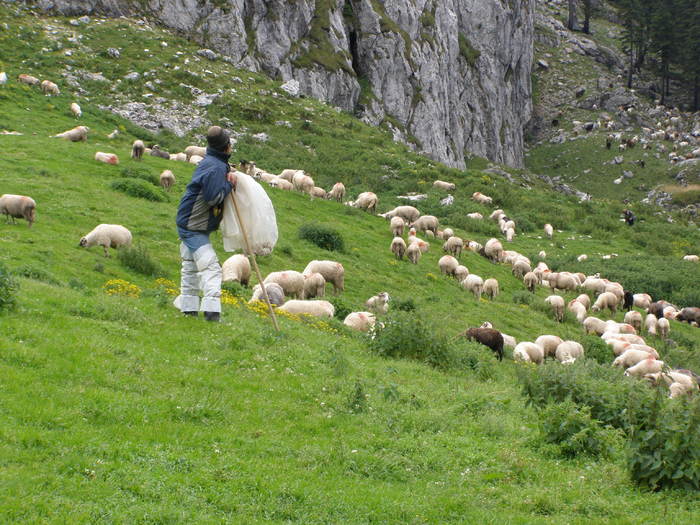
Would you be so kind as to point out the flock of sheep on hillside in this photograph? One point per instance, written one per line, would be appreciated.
(305, 288)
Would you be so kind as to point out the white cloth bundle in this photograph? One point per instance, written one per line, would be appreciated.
(257, 214)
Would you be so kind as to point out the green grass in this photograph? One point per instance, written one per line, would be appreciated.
(117, 409)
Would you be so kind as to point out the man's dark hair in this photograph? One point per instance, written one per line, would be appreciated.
(218, 138)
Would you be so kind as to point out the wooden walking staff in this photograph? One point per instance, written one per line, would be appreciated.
(251, 256)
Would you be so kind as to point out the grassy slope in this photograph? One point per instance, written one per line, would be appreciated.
(137, 415)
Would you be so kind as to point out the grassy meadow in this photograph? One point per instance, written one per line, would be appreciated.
(116, 409)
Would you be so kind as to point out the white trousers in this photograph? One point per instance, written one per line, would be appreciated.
(201, 272)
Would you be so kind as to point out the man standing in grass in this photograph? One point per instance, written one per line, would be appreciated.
(198, 215)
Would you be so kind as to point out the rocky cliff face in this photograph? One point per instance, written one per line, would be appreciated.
(451, 77)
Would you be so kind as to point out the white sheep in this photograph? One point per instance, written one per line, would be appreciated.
(378, 304)
(557, 304)
(75, 109)
(303, 182)
(28, 79)
(642, 300)
(447, 233)
(361, 321)
(605, 300)
(593, 325)
(585, 300)
(648, 366)
(314, 286)
(49, 88)
(3, 78)
(491, 288)
(107, 158)
(475, 246)
(691, 258)
(18, 207)
(76, 134)
(236, 268)
(281, 184)
(548, 230)
(663, 327)
(318, 193)
(288, 174)
(442, 185)
(178, 157)
(453, 246)
(107, 236)
(634, 318)
(496, 215)
(582, 257)
(333, 272)
(426, 223)
(337, 192)
(631, 357)
(274, 292)
(542, 254)
(312, 308)
(568, 352)
(366, 201)
(448, 265)
(494, 250)
(521, 268)
(474, 284)
(137, 149)
(167, 180)
(291, 282)
(579, 310)
(407, 213)
(481, 198)
(397, 225)
(530, 280)
(196, 159)
(509, 341)
(398, 247)
(192, 151)
(413, 252)
(475, 215)
(461, 273)
(549, 344)
(528, 352)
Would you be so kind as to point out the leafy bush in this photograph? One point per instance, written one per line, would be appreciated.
(8, 289)
(404, 305)
(663, 443)
(36, 273)
(141, 174)
(138, 188)
(322, 236)
(597, 349)
(574, 432)
(342, 309)
(601, 387)
(138, 259)
(523, 297)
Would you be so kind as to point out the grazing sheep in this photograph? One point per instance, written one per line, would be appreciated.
(496, 215)
(28, 79)
(481, 198)
(318, 193)
(337, 193)
(568, 352)
(578, 310)
(107, 158)
(491, 288)
(274, 292)
(303, 182)
(634, 318)
(474, 284)
(618, 346)
(521, 268)
(361, 321)
(557, 304)
(476, 216)
(447, 233)
(448, 265)
(679, 389)
(529, 353)
(593, 325)
(366, 201)
(114, 134)
(670, 312)
(548, 230)
(442, 185)
(642, 300)
(407, 213)
(682, 377)
(422, 245)
(398, 247)
(650, 324)
(107, 236)
(157, 152)
(3, 78)
(333, 272)
(291, 282)
(178, 157)
(281, 184)
(475, 246)
(191, 151)
(691, 258)
(648, 366)
(582, 257)
(461, 273)
(560, 280)
(288, 174)
(196, 159)
(75, 109)
(49, 88)
(314, 286)
(137, 149)
(18, 207)
(429, 234)
(312, 308)
(510, 233)
(605, 300)
(530, 280)
(631, 357)
(236, 268)
(663, 327)
(542, 254)
(414, 252)
(378, 304)
(549, 344)
(494, 250)
(77, 134)
(487, 337)
(167, 180)
(453, 246)
(397, 225)
(630, 338)
(585, 300)
(426, 223)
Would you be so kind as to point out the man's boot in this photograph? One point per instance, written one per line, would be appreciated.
(190, 314)
(214, 317)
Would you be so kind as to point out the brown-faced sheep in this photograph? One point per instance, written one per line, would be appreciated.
(487, 337)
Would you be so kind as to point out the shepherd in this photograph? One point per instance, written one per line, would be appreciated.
(198, 215)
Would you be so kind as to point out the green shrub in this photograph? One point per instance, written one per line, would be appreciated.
(468, 52)
(663, 443)
(138, 259)
(342, 309)
(404, 305)
(36, 273)
(8, 289)
(574, 432)
(141, 174)
(523, 297)
(597, 349)
(357, 400)
(138, 188)
(322, 236)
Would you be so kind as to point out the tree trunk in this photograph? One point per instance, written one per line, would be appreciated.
(696, 94)
(587, 11)
(631, 68)
(572, 24)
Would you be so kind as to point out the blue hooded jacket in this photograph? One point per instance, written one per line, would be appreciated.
(201, 206)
